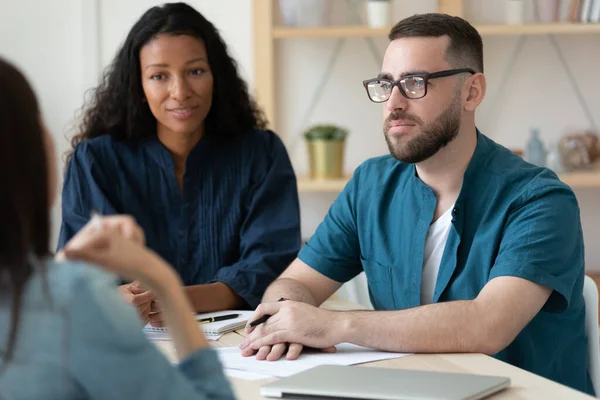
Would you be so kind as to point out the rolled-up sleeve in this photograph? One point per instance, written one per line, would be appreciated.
(270, 234)
(334, 249)
(543, 242)
(85, 189)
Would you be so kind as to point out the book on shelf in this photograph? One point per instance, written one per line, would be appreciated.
(575, 11)
(595, 12)
(589, 11)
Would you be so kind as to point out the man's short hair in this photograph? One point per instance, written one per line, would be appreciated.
(465, 49)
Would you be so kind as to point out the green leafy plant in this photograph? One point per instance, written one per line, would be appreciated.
(326, 132)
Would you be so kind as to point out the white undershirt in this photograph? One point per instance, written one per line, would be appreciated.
(434, 249)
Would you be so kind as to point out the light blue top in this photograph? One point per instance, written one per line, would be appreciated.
(79, 340)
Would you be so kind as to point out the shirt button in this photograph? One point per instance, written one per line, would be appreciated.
(455, 211)
(181, 233)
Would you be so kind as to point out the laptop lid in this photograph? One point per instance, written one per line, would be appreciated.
(356, 382)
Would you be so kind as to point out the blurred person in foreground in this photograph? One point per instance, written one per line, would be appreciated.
(65, 332)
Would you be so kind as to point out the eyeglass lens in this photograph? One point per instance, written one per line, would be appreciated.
(381, 90)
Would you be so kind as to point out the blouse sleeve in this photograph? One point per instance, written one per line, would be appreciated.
(270, 235)
(86, 187)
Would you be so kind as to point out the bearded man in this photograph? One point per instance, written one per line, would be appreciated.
(466, 247)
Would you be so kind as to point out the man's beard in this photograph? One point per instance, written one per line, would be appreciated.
(430, 140)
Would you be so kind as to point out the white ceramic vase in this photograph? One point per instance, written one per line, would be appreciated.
(305, 12)
(515, 10)
(379, 13)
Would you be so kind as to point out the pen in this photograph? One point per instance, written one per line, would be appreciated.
(259, 321)
(218, 318)
(264, 318)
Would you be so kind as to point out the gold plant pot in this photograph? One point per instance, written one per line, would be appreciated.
(326, 159)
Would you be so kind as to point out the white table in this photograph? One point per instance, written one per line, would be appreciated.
(524, 385)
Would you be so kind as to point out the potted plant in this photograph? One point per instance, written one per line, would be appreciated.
(379, 13)
(325, 144)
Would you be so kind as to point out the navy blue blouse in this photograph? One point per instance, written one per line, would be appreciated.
(235, 221)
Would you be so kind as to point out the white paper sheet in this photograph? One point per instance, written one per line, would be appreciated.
(248, 376)
(346, 354)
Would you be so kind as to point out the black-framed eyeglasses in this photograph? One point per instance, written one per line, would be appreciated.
(413, 86)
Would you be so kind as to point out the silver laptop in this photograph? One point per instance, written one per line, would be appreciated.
(356, 382)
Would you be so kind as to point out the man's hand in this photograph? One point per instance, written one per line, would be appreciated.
(140, 298)
(274, 353)
(291, 322)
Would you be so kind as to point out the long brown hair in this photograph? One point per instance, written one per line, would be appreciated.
(24, 194)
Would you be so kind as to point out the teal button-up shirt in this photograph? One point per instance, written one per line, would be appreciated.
(510, 219)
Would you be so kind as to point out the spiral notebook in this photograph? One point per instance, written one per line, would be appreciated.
(218, 328)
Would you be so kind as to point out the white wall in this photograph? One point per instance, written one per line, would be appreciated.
(50, 41)
(44, 38)
(233, 18)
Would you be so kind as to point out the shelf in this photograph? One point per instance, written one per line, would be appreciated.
(537, 29)
(576, 180)
(484, 30)
(582, 179)
(330, 31)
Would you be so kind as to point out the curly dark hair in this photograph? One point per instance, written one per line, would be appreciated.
(117, 107)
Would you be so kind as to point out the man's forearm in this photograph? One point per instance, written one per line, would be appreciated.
(457, 326)
(290, 289)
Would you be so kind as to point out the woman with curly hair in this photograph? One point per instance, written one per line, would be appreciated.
(173, 138)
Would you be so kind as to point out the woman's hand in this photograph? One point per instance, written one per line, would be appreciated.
(122, 251)
(141, 299)
(125, 224)
(116, 243)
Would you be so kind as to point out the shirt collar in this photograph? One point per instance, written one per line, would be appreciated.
(476, 165)
(478, 159)
(163, 157)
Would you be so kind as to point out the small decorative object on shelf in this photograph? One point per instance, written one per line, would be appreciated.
(326, 144)
(546, 10)
(580, 151)
(305, 13)
(553, 161)
(515, 11)
(379, 13)
(535, 153)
